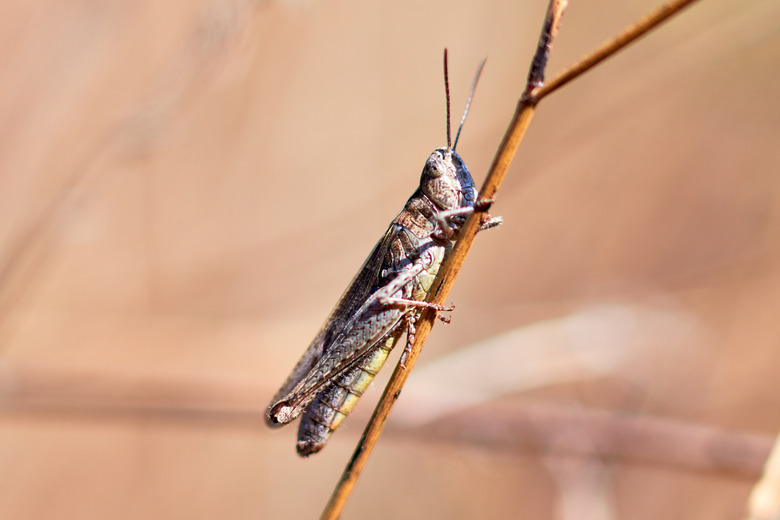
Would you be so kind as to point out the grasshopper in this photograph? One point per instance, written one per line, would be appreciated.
(383, 300)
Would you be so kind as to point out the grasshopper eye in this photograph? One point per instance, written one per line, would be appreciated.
(434, 166)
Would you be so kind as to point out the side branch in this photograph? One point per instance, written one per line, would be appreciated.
(613, 46)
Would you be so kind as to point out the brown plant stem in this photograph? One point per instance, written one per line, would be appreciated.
(534, 92)
(504, 157)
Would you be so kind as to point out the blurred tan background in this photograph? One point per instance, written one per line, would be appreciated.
(186, 188)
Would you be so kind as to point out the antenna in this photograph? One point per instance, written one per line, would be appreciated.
(468, 102)
(447, 93)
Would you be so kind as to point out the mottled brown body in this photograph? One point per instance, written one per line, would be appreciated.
(383, 301)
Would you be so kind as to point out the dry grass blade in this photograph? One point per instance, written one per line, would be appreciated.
(765, 498)
(533, 93)
(568, 430)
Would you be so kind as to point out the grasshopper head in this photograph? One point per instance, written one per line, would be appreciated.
(446, 180)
